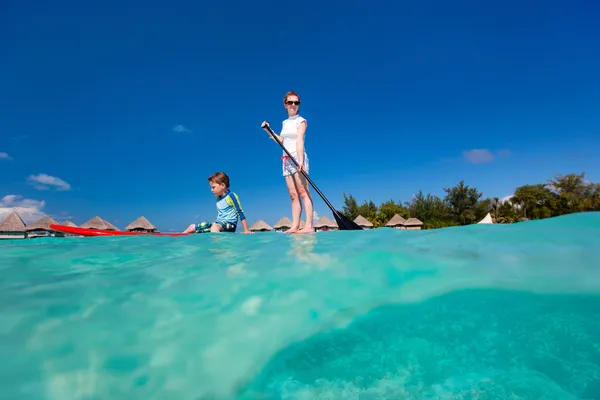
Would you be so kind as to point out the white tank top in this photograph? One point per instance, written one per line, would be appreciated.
(289, 133)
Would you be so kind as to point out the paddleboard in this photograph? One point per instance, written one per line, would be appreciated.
(102, 232)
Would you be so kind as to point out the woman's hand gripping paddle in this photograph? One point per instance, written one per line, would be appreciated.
(344, 223)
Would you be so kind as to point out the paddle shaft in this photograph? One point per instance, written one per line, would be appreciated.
(302, 171)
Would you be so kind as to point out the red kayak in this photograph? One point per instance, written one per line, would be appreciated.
(102, 232)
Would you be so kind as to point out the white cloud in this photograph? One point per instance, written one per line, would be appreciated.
(478, 156)
(4, 156)
(180, 129)
(552, 188)
(506, 198)
(28, 209)
(316, 216)
(44, 182)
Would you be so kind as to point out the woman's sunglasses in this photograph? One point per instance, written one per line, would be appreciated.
(289, 103)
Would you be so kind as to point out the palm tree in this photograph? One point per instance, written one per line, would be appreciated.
(495, 207)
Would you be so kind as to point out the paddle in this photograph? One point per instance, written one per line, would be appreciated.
(344, 223)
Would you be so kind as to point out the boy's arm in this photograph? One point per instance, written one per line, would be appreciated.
(240, 212)
(245, 225)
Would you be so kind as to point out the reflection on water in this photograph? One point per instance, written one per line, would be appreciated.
(303, 248)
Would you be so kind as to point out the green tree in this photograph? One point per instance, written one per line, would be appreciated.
(496, 206)
(488, 205)
(507, 212)
(388, 209)
(571, 190)
(429, 209)
(535, 201)
(368, 210)
(350, 207)
(592, 197)
(462, 201)
(463, 204)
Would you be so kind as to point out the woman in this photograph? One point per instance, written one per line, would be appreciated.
(292, 133)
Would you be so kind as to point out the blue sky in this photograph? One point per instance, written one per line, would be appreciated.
(122, 109)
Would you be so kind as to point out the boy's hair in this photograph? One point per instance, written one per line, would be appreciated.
(290, 93)
(219, 177)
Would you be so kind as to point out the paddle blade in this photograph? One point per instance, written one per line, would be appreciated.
(345, 223)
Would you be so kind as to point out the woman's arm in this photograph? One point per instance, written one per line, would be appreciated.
(300, 142)
(265, 125)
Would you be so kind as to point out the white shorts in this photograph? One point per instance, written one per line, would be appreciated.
(289, 167)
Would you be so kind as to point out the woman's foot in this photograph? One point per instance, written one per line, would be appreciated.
(292, 230)
(307, 230)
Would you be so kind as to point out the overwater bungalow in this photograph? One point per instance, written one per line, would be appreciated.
(396, 222)
(72, 225)
(283, 224)
(12, 227)
(413, 224)
(260, 226)
(363, 222)
(41, 228)
(141, 225)
(111, 226)
(99, 223)
(326, 224)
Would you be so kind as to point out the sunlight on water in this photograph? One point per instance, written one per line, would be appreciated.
(476, 312)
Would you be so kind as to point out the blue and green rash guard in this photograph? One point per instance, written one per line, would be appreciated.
(229, 208)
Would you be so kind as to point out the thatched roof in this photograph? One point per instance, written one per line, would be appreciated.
(94, 223)
(111, 226)
(413, 222)
(260, 225)
(325, 222)
(362, 221)
(396, 220)
(283, 223)
(42, 223)
(12, 223)
(140, 223)
(98, 223)
(69, 223)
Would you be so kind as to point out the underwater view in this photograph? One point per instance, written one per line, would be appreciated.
(480, 312)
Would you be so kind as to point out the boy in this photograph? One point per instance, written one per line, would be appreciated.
(228, 208)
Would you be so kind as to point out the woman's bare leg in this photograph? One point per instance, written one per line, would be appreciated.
(304, 193)
(296, 206)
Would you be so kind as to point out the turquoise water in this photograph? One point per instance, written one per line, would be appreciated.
(476, 312)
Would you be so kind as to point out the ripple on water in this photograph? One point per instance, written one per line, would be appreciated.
(477, 312)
